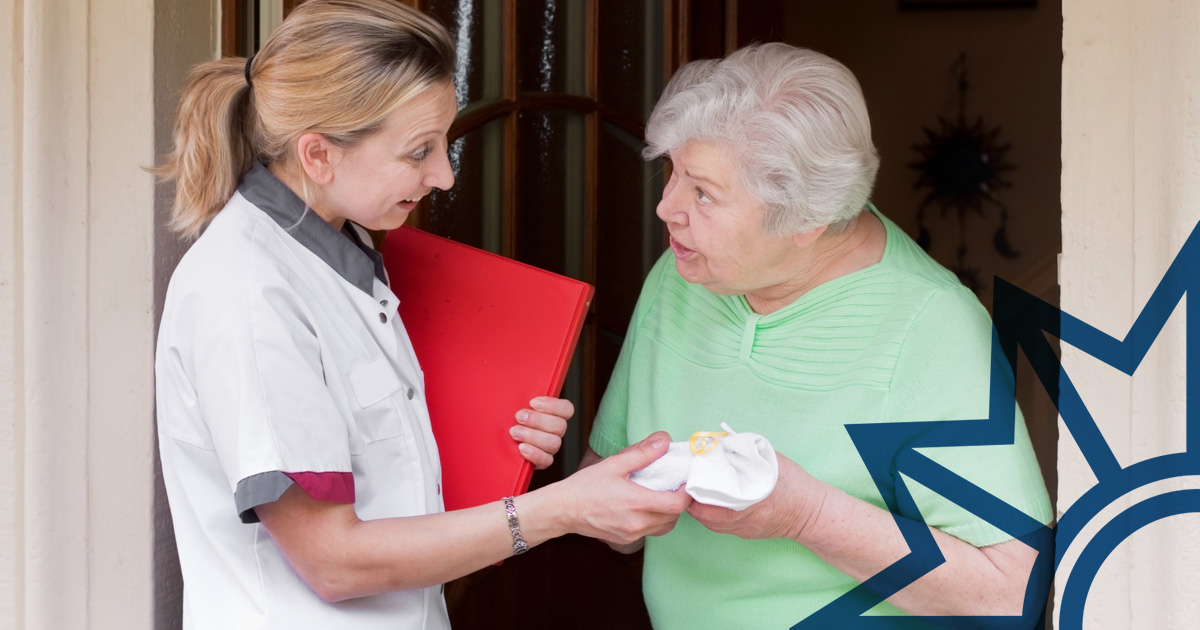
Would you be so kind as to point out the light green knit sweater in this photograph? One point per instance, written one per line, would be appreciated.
(901, 340)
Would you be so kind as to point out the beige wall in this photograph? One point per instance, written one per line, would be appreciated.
(12, 403)
(78, 265)
(1131, 195)
(903, 60)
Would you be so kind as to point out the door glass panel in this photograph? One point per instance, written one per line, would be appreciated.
(476, 27)
(549, 226)
(627, 231)
(550, 186)
(471, 211)
(706, 36)
(551, 40)
(630, 49)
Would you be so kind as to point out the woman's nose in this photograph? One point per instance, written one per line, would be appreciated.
(669, 209)
(438, 173)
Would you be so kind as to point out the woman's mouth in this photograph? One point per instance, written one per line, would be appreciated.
(408, 205)
(681, 252)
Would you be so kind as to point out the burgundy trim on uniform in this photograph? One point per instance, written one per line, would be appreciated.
(336, 487)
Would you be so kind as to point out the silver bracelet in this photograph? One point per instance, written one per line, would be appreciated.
(514, 526)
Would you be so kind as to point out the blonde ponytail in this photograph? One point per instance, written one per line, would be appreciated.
(334, 67)
(213, 147)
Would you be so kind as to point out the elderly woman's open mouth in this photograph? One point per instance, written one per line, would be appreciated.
(681, 252)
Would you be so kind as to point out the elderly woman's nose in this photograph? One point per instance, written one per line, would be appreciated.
(670, 211)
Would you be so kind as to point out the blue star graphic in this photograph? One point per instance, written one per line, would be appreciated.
(1021, 322)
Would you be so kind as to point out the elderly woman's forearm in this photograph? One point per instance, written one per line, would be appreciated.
(861, 540)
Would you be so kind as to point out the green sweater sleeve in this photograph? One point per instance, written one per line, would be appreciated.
(943, 373)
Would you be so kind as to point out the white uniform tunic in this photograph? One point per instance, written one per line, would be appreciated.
(281, 360)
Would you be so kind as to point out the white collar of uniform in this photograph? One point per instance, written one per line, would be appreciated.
(344, 252)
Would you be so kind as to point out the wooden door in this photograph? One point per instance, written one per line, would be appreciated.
(554, 95)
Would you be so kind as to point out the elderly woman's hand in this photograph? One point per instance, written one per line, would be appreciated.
(539, 430)
(795, 502)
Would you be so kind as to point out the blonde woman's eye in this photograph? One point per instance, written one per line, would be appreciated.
(703, 196)
(420, 156)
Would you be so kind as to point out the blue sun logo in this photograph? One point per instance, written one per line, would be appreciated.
(1021, 322)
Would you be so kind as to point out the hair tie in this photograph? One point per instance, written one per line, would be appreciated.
(249, 60)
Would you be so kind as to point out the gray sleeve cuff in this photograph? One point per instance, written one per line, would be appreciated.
(257, 490)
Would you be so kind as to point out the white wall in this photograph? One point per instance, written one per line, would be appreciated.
(1131, 195)
(78, 301)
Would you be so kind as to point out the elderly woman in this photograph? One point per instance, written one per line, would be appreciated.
(789, 306)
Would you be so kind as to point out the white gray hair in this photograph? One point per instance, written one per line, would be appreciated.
(796, 121)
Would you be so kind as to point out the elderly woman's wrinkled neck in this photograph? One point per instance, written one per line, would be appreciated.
(822, 256)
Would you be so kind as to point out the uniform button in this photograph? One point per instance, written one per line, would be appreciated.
(383, 318)
(410, 393)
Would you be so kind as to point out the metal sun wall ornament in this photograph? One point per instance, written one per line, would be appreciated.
(963, 165)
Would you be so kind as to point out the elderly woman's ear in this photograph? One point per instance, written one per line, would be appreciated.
(805, 239)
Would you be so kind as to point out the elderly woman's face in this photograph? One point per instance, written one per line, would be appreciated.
(716, 225)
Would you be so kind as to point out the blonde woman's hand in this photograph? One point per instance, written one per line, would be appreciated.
(601, 502)
(540, 428)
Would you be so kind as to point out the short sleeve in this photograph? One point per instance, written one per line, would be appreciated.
(262, 393)
(609, 430)
(943, 373)
(609, 433)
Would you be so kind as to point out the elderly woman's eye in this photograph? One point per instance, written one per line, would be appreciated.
(703, 196)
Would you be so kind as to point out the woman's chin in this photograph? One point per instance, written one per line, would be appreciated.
(389, 221)
(690, 271)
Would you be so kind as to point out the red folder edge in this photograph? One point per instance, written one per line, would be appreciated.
(398, 247)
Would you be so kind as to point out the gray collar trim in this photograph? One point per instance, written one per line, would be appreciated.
(344, 252)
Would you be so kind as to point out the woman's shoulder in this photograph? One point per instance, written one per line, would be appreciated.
(238, 249)
(906, 263)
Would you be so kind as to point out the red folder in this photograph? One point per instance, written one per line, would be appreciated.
(490, 333)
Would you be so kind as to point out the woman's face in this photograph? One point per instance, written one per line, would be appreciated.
(716, 225)
(378, 182)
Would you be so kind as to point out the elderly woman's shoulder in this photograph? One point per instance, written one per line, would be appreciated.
(928, 283)
(907, 259)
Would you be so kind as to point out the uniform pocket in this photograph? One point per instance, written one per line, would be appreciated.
(374, 382)
(377, 418)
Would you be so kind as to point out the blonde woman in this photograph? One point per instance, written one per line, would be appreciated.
(301, 471)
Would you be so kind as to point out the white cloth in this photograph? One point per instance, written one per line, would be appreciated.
(270, 361)
(739, 471)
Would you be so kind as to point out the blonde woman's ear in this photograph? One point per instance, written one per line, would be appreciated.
(318, 157)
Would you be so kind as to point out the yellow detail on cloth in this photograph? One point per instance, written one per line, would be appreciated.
(702, 442)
